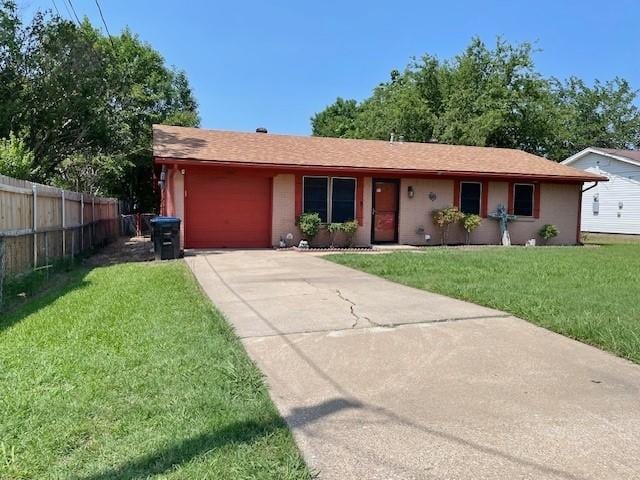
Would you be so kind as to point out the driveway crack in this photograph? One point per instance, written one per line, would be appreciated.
(358, 318)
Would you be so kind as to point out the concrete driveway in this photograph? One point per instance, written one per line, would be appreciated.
(382, 381)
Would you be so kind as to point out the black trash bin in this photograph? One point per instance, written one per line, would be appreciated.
(165, 234)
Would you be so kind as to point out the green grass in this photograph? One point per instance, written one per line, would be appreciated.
(127, 372)
(588, 293)
(18, 289)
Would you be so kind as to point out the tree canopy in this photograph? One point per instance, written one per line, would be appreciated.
(490, 97)
(77, 106)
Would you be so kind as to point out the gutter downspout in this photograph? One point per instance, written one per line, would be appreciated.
(579, 230)
(163, 191)
(595, 184)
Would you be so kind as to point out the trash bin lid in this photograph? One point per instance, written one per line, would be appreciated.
(165, 220)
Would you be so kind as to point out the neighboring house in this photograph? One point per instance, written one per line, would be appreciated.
(246, 190)
(614, 206)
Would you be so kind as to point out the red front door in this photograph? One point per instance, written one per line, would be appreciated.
(385, 211)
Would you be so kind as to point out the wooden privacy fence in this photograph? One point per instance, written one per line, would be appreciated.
(40, 224)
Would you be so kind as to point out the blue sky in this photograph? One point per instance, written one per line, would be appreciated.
(276, 63)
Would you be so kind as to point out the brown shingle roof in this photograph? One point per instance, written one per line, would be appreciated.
(298, 151)
(633, 155)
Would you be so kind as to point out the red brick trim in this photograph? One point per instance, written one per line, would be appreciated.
(484, 195)
(484, 208)
(456, 193)
(359, 199)
(298, 196)
(510, 198)
(382, 172)
(536, 200)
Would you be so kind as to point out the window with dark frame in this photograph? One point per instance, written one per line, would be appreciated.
(470, 197)
(334, 199)
(316, 196)
(343, 199)
(523, 199)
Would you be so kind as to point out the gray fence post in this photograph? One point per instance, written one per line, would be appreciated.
(93, 219)
(1, 271)
(64, 224)
(34, 188)
(46, 253)
(81, 223)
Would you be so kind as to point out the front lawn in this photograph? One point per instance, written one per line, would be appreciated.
(588, 293)
(128, 372)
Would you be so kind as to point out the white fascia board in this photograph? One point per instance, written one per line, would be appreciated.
(589, 150)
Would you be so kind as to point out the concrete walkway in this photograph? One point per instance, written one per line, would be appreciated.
(382, 381)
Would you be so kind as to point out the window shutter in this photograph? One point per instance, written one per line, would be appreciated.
(510, 199)
(359, 199)
(456, 193)
(298, 195)
(536, 200)
(484, 209)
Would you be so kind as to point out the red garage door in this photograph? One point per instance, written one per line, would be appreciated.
(225, 209)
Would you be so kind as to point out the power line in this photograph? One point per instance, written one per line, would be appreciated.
(66, 7)
(74, 11)
(56, 7)
(104, 22)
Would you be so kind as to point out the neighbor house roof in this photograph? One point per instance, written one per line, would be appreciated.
(266, 149)
(628, 156)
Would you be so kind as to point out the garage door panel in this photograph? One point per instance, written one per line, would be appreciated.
(227, 210)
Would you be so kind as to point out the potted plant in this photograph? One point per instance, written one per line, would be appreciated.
(350, 228)
(309, 225)
(547, 232)
(333, 229)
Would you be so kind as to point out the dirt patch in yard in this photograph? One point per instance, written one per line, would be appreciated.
(123, 250)
(608, 238)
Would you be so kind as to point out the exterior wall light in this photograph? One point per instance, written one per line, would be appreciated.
(410, 191)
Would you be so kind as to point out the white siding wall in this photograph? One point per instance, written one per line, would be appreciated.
(619, 198)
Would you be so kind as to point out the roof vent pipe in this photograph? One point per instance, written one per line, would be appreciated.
(393, 137)
(261, 130)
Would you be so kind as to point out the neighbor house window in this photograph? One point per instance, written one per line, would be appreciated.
(334, 199)
(470, 195)
(523, 199)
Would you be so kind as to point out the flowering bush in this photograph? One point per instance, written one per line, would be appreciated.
(470, 223)
(444, 219)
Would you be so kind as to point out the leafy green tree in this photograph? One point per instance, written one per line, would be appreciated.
(337, 120)
(408, 104)
(147, 92)
(16, 160)
(495, 98)
(490, 97)
(10, 61)
(85, 102)
(604, 115)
